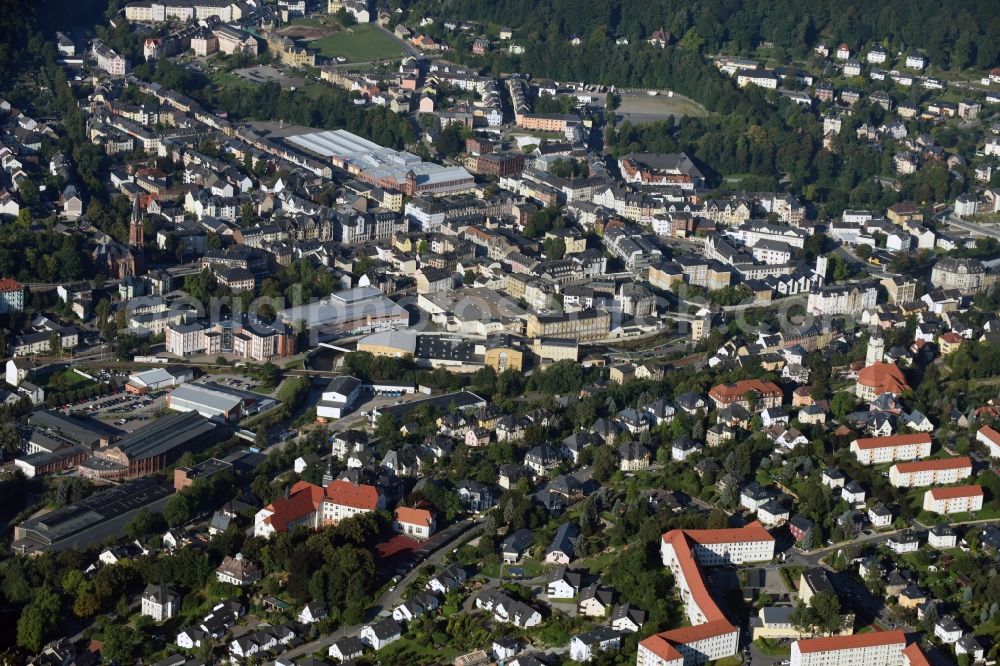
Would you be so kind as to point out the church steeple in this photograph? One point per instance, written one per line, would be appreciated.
(135, 237)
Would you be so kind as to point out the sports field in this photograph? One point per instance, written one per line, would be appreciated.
(358, 43)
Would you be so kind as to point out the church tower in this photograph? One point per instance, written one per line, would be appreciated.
(876, 350)
(135, 237)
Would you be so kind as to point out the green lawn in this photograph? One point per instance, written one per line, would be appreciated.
(68, 380)
(410, 651)
(359, 43)
(531, 568)
(771, 648)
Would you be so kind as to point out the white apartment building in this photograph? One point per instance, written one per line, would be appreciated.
(842, 299)
(751, 543)
(710, 636)
(186, 339)
(877, 648)
(108, 60)
(876, 450)
(689, 645)
(942, 471)
(989, 438)
(954, 499)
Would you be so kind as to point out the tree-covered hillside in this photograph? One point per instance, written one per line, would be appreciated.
(953, 34)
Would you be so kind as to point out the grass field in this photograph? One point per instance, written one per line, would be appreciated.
(359, 43)
(641, 108)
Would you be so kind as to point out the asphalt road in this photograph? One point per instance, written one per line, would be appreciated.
(449, 539)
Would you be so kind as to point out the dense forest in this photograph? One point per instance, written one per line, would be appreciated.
(952, 34)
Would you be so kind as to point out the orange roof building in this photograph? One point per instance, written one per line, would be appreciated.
(418, 523)
(876, 450)
(314, 506)
(711, 634)
(876, 647)
(930, 472)
(914, 656)
(768, 394)
(989, 438)
(879, 378)
(954, 499)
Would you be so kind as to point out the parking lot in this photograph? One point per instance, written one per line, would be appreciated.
(126, 411)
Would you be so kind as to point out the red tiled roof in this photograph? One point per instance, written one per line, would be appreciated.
(750, 532)
(954, 492)
(692, 574)
(951, 337)
(8, 284)
(304, 498)
(893, 440)
(957, 462)
(663, 644)
(410, 516)
(851, 642)
(359, 496)
(736, 391)
(915, 656)
(990, 434)
(884, 378)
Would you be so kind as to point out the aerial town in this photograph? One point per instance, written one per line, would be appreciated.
(526, 333)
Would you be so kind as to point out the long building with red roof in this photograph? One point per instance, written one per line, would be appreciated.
(875, 450)
(938, 471)
(315, 506)
(711, 635)
(989, 438)
(876, 648)
(954, 499)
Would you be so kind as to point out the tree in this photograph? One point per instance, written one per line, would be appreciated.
(38, 620)
(119, 644)
(10, 439)
(346, 18)
(177, 510)
(449, 141)
(717, 519)
(555, 247)
(843, 404)
(826, 606)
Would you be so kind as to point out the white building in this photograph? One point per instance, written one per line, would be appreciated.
(942, 537)
(986, 436)
(941, 471)
(340, 396)
(416, 523)
(877, 648)
(710, 636)
(160, 602)
(954, 499)
(583, 646)
(842, 299)
(876, 450)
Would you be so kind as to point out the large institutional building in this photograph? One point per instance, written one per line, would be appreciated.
(384, 167)
(358, 310)
(711, 635)
(315, 506)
